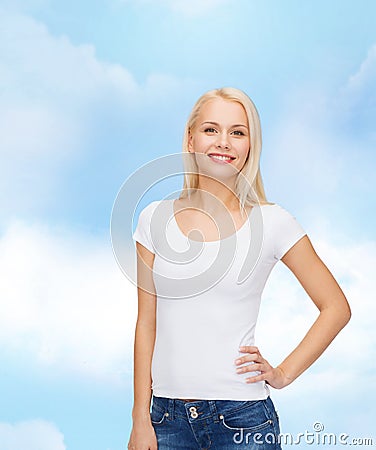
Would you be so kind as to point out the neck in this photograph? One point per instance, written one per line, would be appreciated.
(212, 196)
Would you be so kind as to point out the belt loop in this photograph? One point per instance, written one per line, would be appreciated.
(171, 408)
(213, 410)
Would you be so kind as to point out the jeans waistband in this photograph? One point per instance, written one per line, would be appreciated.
(204, 408)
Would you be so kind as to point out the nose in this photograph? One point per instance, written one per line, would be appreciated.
(223, 141)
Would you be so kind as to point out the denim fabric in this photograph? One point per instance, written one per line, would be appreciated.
(215, 424)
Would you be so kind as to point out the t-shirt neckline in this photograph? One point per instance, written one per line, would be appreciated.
(217, 241)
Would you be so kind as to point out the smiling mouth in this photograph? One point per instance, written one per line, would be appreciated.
(221, 158)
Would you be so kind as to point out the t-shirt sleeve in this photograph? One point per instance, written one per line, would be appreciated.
(142, 232)
(287, 231)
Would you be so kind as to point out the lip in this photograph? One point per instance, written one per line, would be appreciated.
(222, 154)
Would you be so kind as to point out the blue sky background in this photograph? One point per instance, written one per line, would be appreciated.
(91, 91)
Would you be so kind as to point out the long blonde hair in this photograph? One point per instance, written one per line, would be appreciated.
(249, 188)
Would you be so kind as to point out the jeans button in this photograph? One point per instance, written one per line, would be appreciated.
(193, 411)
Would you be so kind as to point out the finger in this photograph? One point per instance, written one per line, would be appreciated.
(253, 354)
(262, 366)
(262, 377)
(250, 368)
(254, 357)
(249, 349)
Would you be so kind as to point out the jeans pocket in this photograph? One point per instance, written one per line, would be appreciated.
(158, 415)
(252, 417)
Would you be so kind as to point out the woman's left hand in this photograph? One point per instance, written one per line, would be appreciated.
(274, 376)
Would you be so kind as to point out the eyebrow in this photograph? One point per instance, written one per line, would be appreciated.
(232, 126)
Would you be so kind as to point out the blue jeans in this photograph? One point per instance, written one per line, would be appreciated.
(215, 424)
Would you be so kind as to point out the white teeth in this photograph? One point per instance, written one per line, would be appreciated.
(222, 158)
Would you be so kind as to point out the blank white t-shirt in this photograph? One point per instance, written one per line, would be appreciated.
(208, 299)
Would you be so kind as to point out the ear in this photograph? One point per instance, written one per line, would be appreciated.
(190, 144)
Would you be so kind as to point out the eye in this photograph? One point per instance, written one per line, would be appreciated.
(209, 130)
(238, 133)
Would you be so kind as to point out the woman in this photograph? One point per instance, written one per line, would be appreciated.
(199, 296)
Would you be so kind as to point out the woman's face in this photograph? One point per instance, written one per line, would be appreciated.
(220, 138)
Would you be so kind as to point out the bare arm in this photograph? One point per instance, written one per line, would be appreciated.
(327, 295)
(143, 435)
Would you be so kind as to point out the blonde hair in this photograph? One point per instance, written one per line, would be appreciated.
(249, 187)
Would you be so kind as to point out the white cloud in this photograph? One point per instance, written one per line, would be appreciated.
(357, 101)
(366, 73)
(25, 5)
(288, 310)
(195, 7)
(66, 304)
(53, 66)
(320, 155)
(343, 374)
(54, 95)
(306, 161)
(31, 435)
(305, 149)
(49, 89)
(62, 297)
(188, 8)
(64, 301)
